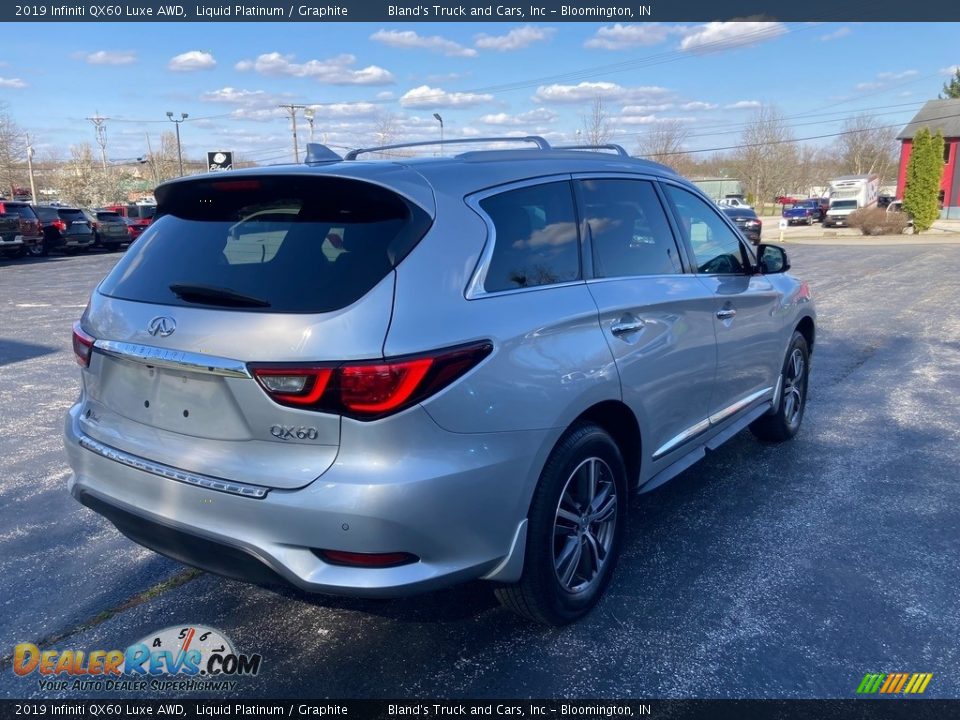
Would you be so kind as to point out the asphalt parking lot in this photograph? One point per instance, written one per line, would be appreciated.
(764, 571)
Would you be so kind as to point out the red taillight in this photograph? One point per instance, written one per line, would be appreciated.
(59, 225)
(381, 388)
(366, 560)
(368, 390)
(82, 346)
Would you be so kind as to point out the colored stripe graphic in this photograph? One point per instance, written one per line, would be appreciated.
(870, 683)
(894, 683)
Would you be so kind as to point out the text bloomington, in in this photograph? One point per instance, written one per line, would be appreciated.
(461, 11)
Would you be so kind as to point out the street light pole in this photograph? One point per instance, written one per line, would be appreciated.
(440, 120)
(309, 114)
(33, 187)
(183, 116)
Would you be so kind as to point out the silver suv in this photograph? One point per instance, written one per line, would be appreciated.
(381, 377)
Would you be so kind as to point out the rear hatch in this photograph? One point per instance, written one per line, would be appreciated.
(213, 333)
(75, 227)
(112, 226)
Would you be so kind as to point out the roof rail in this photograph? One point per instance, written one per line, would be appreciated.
(604, 146)
(320, 153)
(540, 142)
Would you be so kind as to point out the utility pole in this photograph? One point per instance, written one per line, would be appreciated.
(100, 123)
(33, 187)
(292, 111)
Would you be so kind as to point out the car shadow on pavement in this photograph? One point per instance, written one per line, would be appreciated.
(461, 602)
(12, 351)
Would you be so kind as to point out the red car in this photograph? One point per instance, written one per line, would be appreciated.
(138, 216)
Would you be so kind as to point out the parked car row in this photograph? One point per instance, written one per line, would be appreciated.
(38, 230)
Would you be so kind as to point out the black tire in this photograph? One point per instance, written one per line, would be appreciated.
(541, 594)
(785, 422)
(37, 250)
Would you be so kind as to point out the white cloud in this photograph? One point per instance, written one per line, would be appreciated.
(428, 97)
(333, 71)
(349, 110)
(108, 57)
(723, 35)
(868, 86)
(620, 37)
(16, 83)
(896, 75)
(836, 34)
(952, 70)
(408, 39)
(236, 97)
(698, 105)
(586, 91)
(646, 109)
(516, 39)
(650, 119)
(385, 95)
(743, 105)
(192, 60)
(524, 119)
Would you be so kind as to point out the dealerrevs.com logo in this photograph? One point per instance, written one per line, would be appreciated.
(177, 659)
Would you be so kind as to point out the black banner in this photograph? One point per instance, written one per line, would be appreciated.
(543, 11)
(526, 709)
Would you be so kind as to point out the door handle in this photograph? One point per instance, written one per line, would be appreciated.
(726, 314)
(626, 326)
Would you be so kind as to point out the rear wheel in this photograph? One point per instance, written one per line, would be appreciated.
(38, 249)
(784, 423)
(576, 524)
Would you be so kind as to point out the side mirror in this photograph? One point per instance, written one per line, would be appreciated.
(772, 259)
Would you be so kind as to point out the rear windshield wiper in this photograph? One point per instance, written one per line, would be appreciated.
(210, 295)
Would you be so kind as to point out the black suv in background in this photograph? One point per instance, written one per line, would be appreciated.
(66, 229)
(20, 231)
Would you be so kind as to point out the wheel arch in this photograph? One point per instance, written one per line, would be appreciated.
(620, 422)
(807, 328)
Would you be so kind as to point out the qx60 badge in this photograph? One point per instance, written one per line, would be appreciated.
(162, 326)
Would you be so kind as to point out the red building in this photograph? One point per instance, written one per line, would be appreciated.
(942, 115)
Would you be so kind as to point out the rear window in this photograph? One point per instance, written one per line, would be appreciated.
(71, 214)
(47, 213)
(268, 244)
(844, 204)
(23, 211)
(109, 217)
(141, 211)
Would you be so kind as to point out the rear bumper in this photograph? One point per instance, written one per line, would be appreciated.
(457, 502)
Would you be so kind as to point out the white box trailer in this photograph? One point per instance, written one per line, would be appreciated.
(850, 193)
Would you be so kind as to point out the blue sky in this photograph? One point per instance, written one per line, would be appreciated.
(482, 78)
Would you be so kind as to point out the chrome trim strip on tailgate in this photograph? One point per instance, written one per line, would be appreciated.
(173, 359)
(171, 473)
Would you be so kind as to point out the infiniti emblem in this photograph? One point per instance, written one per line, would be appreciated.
(162, 326)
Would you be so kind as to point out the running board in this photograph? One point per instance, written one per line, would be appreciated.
(699, 451)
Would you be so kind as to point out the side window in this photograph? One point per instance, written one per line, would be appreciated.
(628, 229)
(716, 248)
(537, 242)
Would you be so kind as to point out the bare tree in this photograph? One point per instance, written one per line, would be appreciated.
(867, 148)
(13, 149)
(385, 129)
(768, 157)
(83, 182)
(664, 144)
(596, 124)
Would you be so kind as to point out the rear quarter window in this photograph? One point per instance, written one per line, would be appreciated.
(536, 241)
